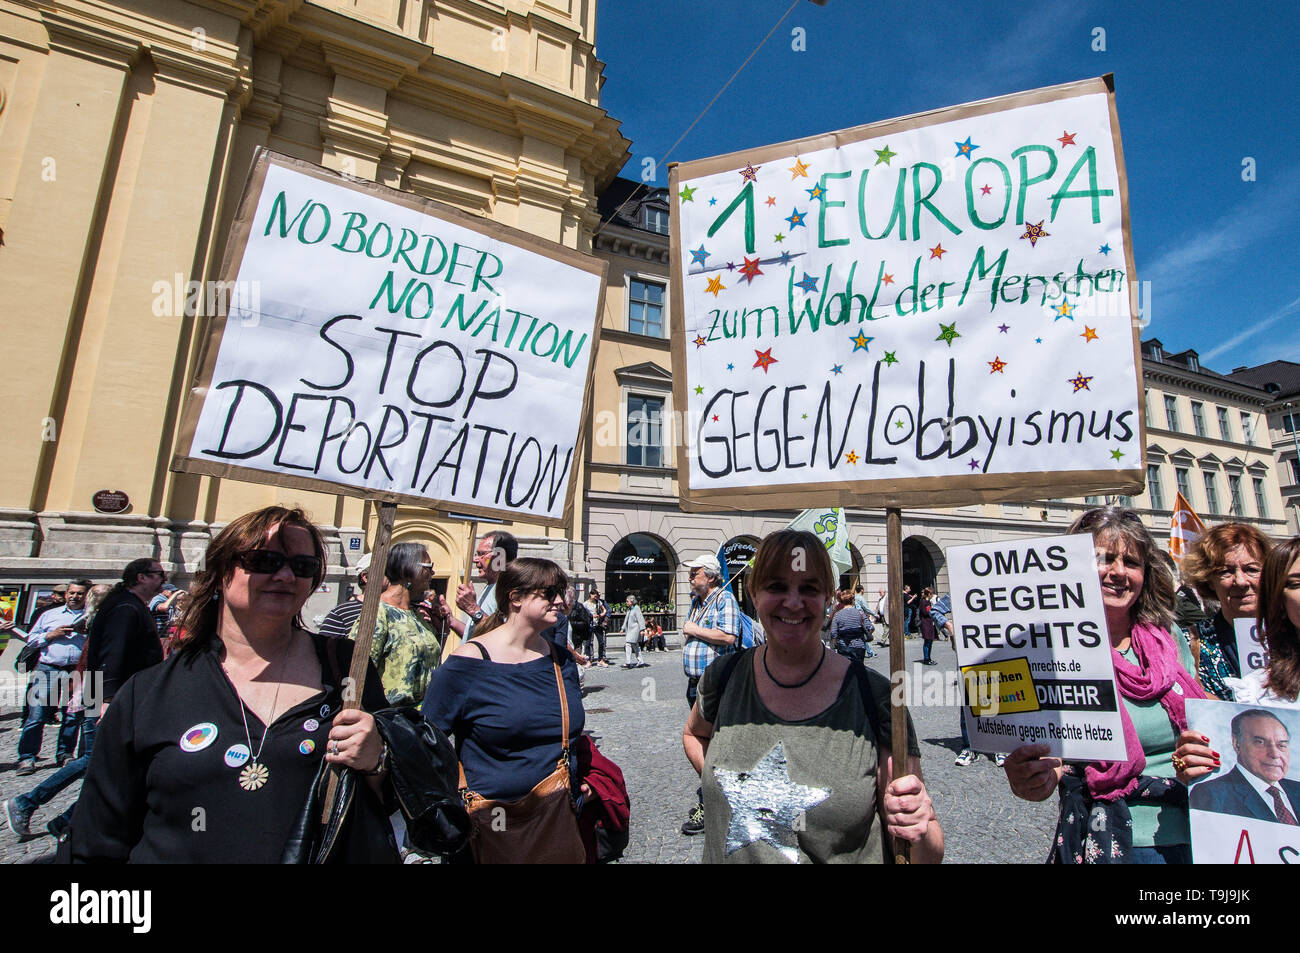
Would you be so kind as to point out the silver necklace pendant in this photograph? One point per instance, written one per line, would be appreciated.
(253, 776)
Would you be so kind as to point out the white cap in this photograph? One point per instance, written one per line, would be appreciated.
(363, 564)
(707, 562)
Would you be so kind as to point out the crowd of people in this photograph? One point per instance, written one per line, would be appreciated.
(219, 695)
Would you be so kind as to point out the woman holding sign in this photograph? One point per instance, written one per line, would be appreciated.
(1279, 620)
(209, 756)
(791, 739)
(1224, 564)
(1130, 811)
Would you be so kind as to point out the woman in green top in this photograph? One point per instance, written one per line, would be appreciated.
(1129, 811)
(404, 649)
(791, 738)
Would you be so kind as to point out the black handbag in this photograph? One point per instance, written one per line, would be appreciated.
(356, 832)
(29, 657)
(425, 776)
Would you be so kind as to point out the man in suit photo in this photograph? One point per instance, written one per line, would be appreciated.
(1258, 786)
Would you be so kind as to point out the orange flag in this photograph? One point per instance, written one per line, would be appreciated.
(1185, 528)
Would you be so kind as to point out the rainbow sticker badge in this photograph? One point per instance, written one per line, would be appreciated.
(307, 747)
(199, 737)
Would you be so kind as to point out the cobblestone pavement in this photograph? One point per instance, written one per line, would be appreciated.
(636, 716)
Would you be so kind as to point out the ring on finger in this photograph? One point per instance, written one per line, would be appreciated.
(1179, 763)
(334, 748)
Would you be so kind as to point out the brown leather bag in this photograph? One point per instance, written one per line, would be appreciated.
(539, 828)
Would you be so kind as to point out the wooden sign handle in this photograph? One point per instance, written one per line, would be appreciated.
(365, 634)
(897, 654)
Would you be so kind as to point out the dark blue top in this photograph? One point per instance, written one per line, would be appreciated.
(505, 719)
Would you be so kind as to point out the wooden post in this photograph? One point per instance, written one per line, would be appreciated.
(897, 654)
(365, 632)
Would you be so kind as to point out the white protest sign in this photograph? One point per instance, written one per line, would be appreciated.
(934, 309)
(395, 348)
(1251, 651)
(1031, 639)
(1235, 819)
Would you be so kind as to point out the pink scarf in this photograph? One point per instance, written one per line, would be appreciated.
(1152, 679)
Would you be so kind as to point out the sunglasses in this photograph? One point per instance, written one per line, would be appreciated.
(550, 593)
(268, 562)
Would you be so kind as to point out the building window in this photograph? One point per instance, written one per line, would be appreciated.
(1171, 411)
(1290, 421)
(1260, 506)
(1225, 430)
(1092, 501)
(639, 565)
(645, 308)
(1247, 427)
(1198, 418)
(1124, 501)
(1211, 494)
(1295, 471)
(1146, 406)
(1184, 485)
(1154, 490)
(1234, 490)
(645, 431)
(655, 219)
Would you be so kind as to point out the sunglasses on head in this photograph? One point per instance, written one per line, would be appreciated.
(268, 562)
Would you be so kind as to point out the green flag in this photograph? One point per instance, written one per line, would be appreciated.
(829, 525)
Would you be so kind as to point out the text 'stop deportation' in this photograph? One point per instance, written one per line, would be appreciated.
(950, 300)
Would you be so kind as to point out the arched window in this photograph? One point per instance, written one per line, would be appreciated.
(738, 551)
(640, 565)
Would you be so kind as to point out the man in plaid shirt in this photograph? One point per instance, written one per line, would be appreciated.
(712, 628)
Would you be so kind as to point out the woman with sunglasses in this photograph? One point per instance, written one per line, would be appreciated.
(1130, 811)
(210, 756)
(1224, 564)
(499, 697)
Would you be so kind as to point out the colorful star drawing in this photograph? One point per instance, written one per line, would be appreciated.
(809, 283)
(715, 418)
(1116, 453)
(713, 201)
(765, 359)
(698, 255)
(731, 367)
(1066, 139)
(803, 416)
(947, 332)
(860, 342)
(800, 168)
(796, 219)
(890, 358)
(1063, 310)
(778, 237)
(850, 457)
(750, 172)
(1089, 334)
(884, 155)
(974, 464)
(1004, 328)
(898, 424)
(888, 279)
(1105, 249)
(699, 389)
(771, 200)
(1034, 233)
(1038, 340)
(687, 193)
(1080, 382)
(816, 192)
(731, 266)
(750, 270)
(715, 285)
(784, 258)
(964, 149)
(996, 365)
(938, 251)
(985, 189)
(699, 341)
(837, 369)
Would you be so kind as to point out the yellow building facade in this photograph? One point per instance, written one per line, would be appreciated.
(126, 134)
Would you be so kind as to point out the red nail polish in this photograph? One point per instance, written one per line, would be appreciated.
(1216, 755)
(1205, 739)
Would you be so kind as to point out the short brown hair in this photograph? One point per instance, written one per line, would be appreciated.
(1207, 554)
(779, 551)
(199, 624)
(1155, 603)
(1279, 633)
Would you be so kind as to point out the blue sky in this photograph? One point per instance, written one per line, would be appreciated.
(1200, 87)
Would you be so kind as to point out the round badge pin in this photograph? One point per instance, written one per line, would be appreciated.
(307, 747)
(324, 711)
(198, 737)
(311, 724)
(237, 755)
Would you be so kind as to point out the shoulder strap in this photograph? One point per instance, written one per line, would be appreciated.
(481, 651)
(564, 706)
(724, 673)
(864, 686)
(332, 656)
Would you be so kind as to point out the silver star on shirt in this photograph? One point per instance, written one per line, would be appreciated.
(766, 804)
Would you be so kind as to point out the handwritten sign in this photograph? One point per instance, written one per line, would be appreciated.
(1031, 640)
(394, 348)
(1250, 646)
(1234, 817)
(935, 309)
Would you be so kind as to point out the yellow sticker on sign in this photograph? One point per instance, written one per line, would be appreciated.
(999, 688)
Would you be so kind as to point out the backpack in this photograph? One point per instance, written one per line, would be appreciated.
(580, 622)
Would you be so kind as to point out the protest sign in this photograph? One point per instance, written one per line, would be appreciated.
(932, 310)
(1250, 646)
(391, 347)
(1235, 818)
(1031, 639)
